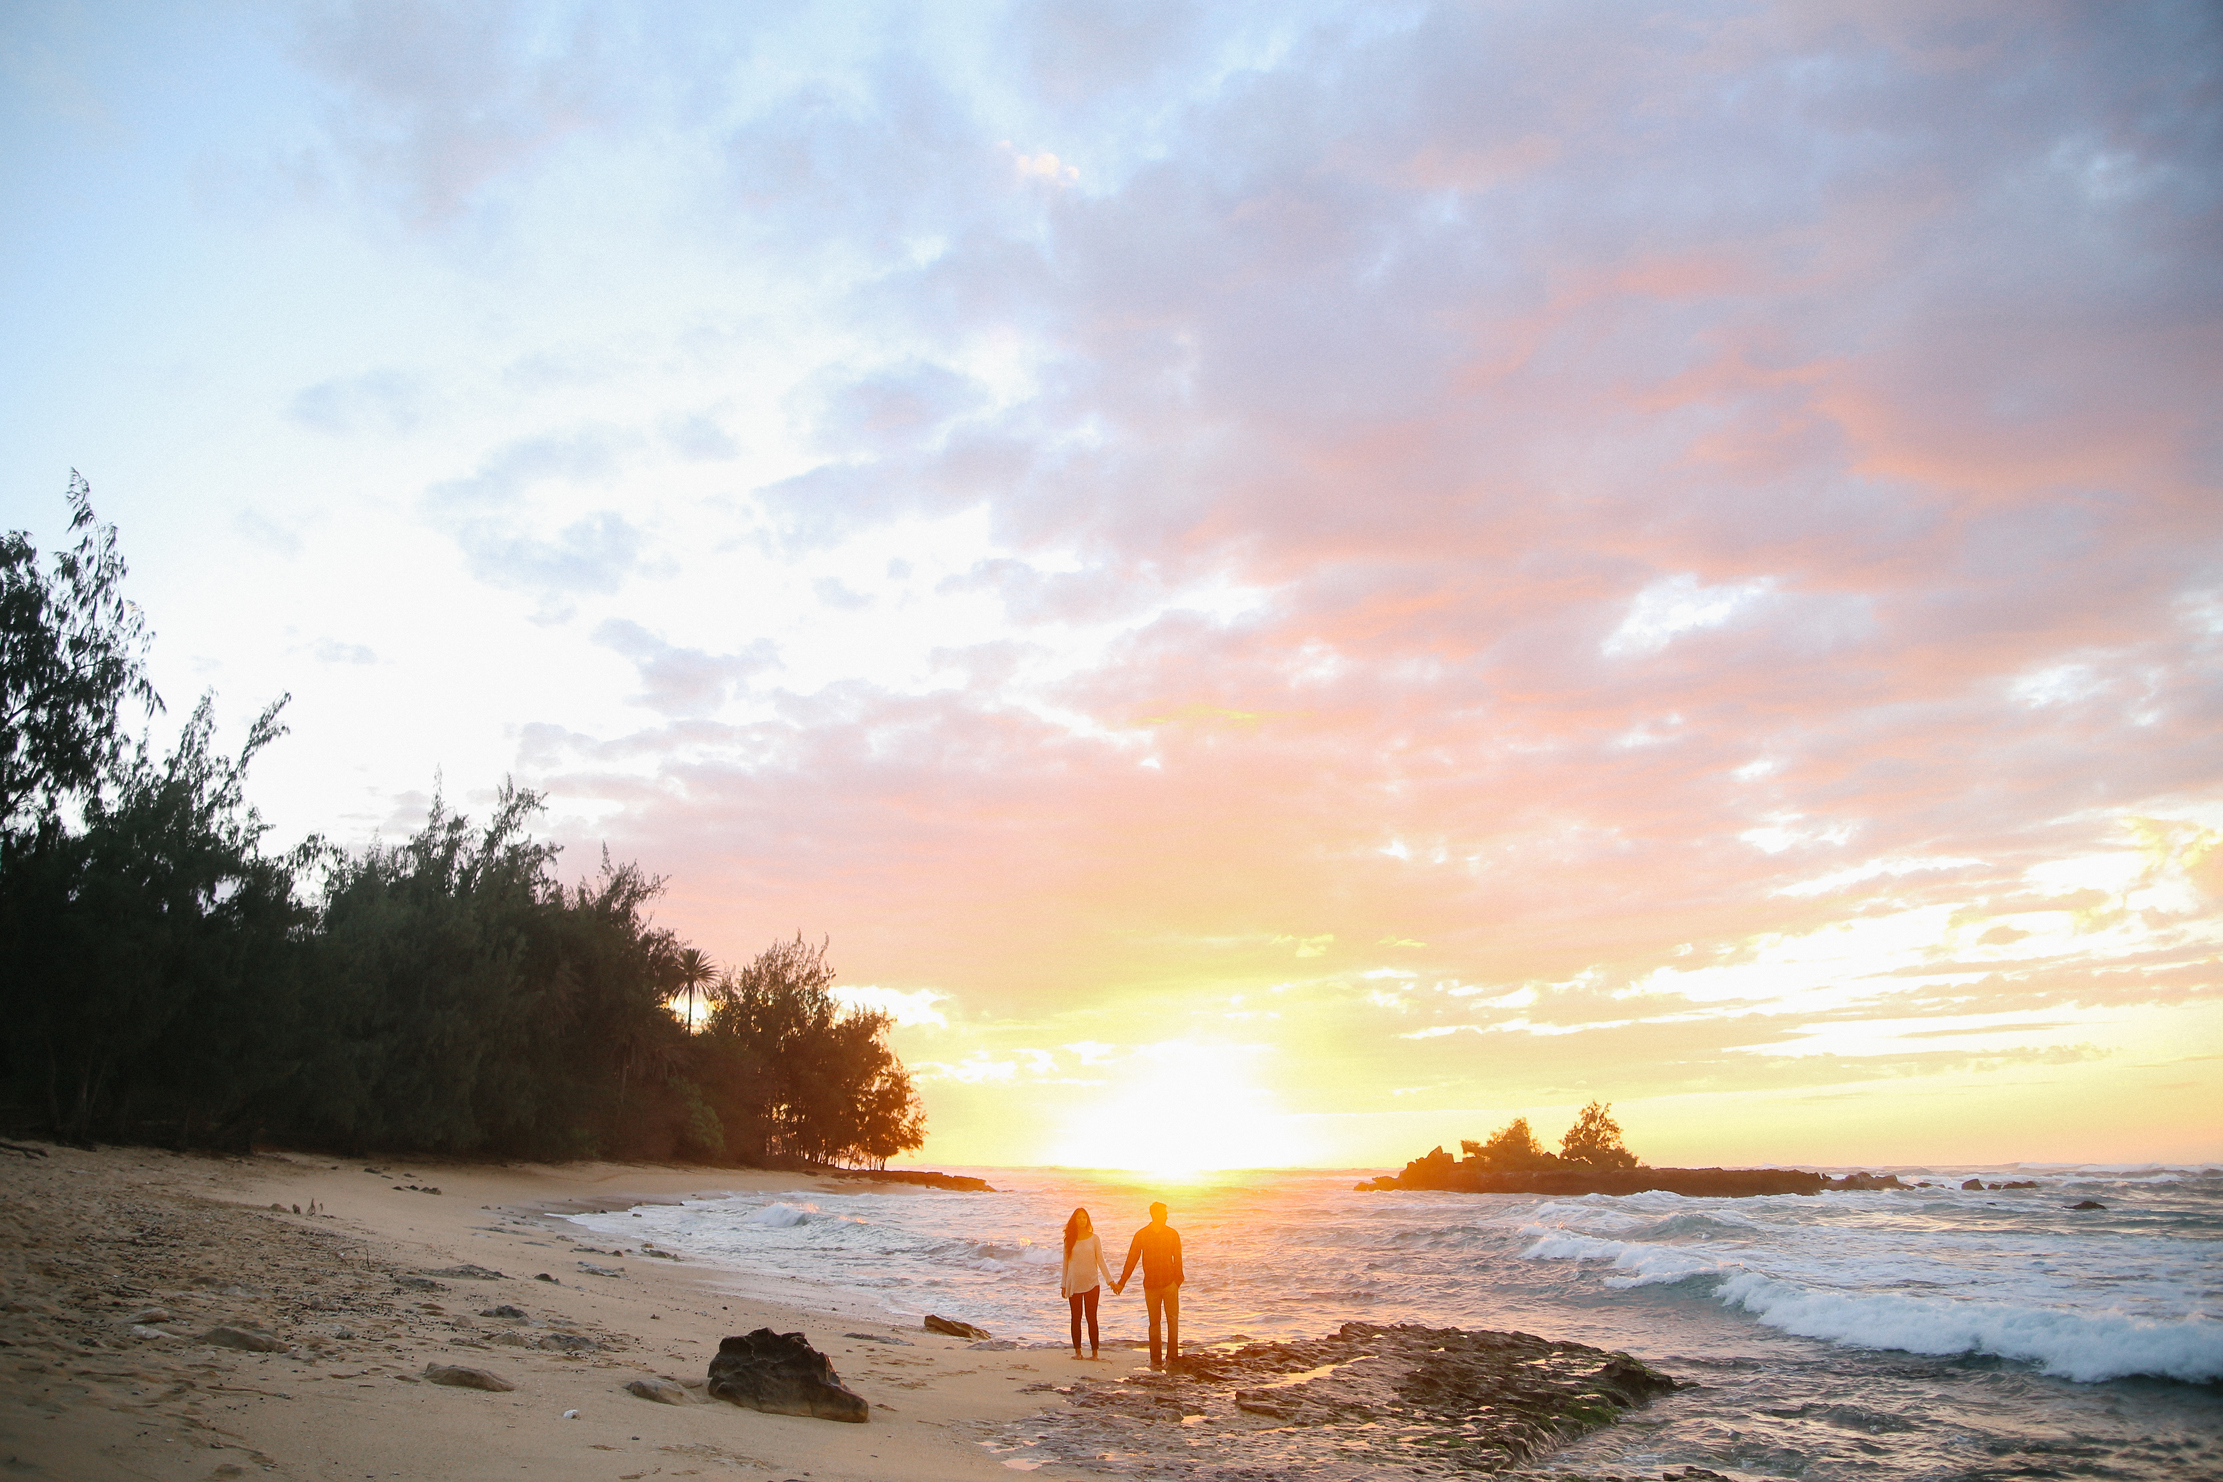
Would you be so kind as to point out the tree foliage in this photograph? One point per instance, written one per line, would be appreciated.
(1511, 1148)
(1595, 1140)
(162, 977)
(72, 653)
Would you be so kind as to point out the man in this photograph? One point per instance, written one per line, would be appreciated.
(1158, 1246)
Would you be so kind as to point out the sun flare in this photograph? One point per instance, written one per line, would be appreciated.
(1186, 1109)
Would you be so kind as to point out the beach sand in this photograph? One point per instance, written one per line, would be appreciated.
(91, 1240)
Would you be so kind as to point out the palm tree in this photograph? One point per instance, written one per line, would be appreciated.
(692, 972)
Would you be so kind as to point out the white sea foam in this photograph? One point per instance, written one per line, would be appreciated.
(1938, 1271)
(2075, 1345)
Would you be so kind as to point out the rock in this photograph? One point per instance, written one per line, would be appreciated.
(418, 1284)
(992, 1345)
(505, 1310)
(662, 1391)
(564, 1343)
(2088, 1204)
(151, 1314)
(244, 1338)
(593, 1270)
(1434, 1400)
(544, 1276)
(467, 1272)
(1974, 1183)
(141, 1330)
(783, 1374)
(952, 1327)
(880, 1338)
(463, 1378)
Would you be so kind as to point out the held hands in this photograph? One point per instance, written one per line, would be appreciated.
(1118, 1287)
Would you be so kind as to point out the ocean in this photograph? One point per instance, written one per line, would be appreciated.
(1915, 1333)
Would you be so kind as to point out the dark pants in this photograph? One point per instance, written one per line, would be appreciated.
(1084, 1302)
(1164, 1301)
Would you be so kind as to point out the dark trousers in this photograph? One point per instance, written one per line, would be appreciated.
(1084, 1303)
(1164, 1302)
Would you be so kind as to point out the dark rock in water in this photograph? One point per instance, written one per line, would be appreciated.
(953, 1327)
(1974, 1183)
(782, 1373)
(925, 1178)
(1440, 1171)
(1428, 1398)
(2088, 1204)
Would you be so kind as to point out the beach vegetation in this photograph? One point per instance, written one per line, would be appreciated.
(165, 977)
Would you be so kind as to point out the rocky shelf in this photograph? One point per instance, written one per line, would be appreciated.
(1403, 1396)
(1440, 1171)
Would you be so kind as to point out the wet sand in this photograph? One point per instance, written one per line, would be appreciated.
(118, 1263)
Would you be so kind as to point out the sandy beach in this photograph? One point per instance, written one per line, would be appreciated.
(119, 1262)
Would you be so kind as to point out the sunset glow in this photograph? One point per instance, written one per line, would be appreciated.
(1286, 584)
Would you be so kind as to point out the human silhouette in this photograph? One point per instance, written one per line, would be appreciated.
(1085, 1273)
(1158, 1246)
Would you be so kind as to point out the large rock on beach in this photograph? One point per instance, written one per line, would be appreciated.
(782, 1373)
(1404, 1396)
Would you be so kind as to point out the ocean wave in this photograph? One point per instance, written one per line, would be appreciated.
(781, 1216)
(1641, 1264)
(2084, 1346)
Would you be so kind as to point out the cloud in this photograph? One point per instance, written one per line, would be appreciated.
(331, 651)
(383, 400)
(681, 681)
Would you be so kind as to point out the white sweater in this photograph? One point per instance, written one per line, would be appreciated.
(1084, 1265)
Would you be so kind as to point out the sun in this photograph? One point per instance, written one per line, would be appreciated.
(1185, 1109)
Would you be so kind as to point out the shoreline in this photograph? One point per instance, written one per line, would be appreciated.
(359, 1296)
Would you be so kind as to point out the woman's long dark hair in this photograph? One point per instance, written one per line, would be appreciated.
(1075, 1228)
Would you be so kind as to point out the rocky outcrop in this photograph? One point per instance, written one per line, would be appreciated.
(783, 1374)
(925, 1178)
(1475, 1401)
(951, 1327)
(462, 1378)
(1440, 1171)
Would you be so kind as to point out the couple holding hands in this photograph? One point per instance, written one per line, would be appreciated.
(1157, 1246)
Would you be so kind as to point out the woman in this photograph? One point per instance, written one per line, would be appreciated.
(1085, 1275)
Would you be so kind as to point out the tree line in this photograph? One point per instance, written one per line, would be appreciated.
(166, 977)
(1594, 1141)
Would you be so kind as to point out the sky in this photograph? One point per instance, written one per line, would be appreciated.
(1284, 584)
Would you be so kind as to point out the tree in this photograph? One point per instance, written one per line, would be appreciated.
(72, 652)
(150, 962)
(692, 972)
(1595, 1140)
(1510, 1148)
